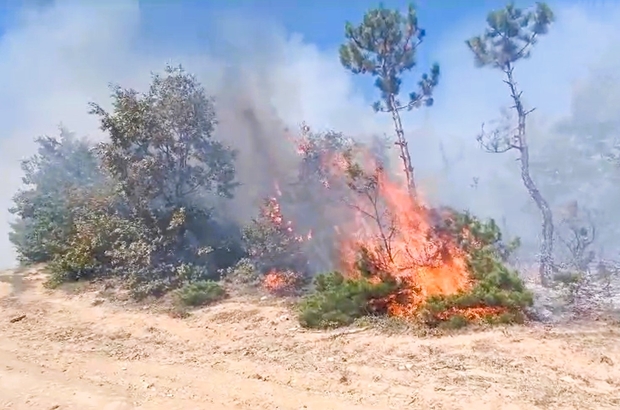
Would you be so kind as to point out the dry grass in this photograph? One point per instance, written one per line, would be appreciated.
(254, 355)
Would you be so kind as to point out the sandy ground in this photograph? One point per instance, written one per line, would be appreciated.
(80, 351)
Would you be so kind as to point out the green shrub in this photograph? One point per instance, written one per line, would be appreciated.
(338, 301)
(200, 293)
(42, 207)
(243, 273)
(455, 322)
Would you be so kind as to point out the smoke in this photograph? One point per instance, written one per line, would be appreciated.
(267, 81)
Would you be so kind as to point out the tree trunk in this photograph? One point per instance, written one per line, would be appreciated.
(546, 246)
(404, 147)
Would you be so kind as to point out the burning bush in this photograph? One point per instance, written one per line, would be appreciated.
(496, 293)
(283, 283)
(401, 258)
(275, 250)
(493, 294)
(271, 242)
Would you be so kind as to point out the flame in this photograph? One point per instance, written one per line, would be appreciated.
(473, 313)
(402, 242)
(394, 230)
(396, 233)
(278, 282)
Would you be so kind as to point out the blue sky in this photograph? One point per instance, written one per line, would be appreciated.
(170, 23)
(174, 22)
(320, 22)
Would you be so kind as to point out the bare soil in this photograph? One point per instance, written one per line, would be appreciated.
(81, 351)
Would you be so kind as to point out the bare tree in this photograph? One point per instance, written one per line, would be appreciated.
(509, 37)
(367, 185)
(578, 236)
(384, 45)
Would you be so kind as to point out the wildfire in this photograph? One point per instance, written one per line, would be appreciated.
(272, 210)
(277, 282)
(401, 241)
(473, 313)
(395, 232)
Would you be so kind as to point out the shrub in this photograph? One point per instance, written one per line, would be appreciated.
(271, 242)
(338, 301)
(200, 293)
(42, 207)
(244, 272)
(284, 283)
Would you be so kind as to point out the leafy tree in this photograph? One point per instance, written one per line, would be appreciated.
(161, 147)
(510, 36)
(61, 165)
(153, 225)
(384, 45)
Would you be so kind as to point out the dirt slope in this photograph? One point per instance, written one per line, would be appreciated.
(81, 352)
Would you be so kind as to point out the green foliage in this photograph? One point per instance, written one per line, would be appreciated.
(510, 35)
(61, 165)
(200, 293)
(137, 206)
(101, 241)
(165, 163)
(243, 273)
(161, 143)
(338, 301)
(384, 45)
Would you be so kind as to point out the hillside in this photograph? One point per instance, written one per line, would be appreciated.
(78, 350)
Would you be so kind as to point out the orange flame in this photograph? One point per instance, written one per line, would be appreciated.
(395, 231)
(281, 282)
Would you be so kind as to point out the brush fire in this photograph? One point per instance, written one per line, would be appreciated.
(390, 228)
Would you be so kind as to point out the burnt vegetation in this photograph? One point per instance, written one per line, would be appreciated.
(144, 207)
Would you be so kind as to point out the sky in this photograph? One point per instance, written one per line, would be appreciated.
(281, 59)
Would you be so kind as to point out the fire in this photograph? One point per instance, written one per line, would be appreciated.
(281, 282)
(400, 241)
(474, 313)
(394, 230)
